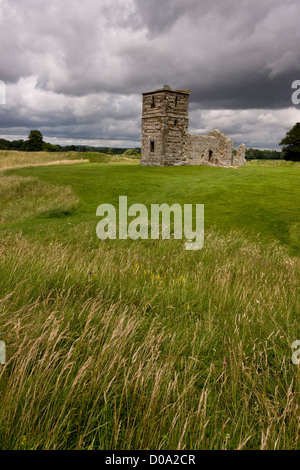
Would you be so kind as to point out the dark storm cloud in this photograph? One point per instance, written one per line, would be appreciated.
(230, 54)
(77, 69)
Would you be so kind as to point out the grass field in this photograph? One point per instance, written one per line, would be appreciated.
(123, 344)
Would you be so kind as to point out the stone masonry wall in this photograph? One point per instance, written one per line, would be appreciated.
(215, 148)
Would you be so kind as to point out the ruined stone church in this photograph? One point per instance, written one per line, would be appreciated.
(166, 140)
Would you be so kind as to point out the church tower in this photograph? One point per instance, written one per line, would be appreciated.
(164, 125)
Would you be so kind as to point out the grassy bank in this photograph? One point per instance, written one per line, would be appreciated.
(15, 159)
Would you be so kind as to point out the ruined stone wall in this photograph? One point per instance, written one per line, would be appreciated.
(225, 147)
(240, 157)
(211, 149)
(197, 149)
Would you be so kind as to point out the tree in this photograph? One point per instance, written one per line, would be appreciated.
(133, 153)
(35, 141)
(50, 147)
(292, 144)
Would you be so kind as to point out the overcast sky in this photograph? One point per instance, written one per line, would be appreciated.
(75, 69)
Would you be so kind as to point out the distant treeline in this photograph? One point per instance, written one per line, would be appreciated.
(27, 146)
(255, 154)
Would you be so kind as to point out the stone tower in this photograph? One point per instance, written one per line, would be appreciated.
(164, 126)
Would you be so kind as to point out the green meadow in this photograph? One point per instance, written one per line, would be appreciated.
(141, 344)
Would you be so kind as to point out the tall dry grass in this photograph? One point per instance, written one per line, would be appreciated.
(27, 197)
(270, 162)
(130, 345)
(15, 159)
(10, 159)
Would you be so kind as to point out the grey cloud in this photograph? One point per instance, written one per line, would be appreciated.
(70, 64)
(98, 116)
